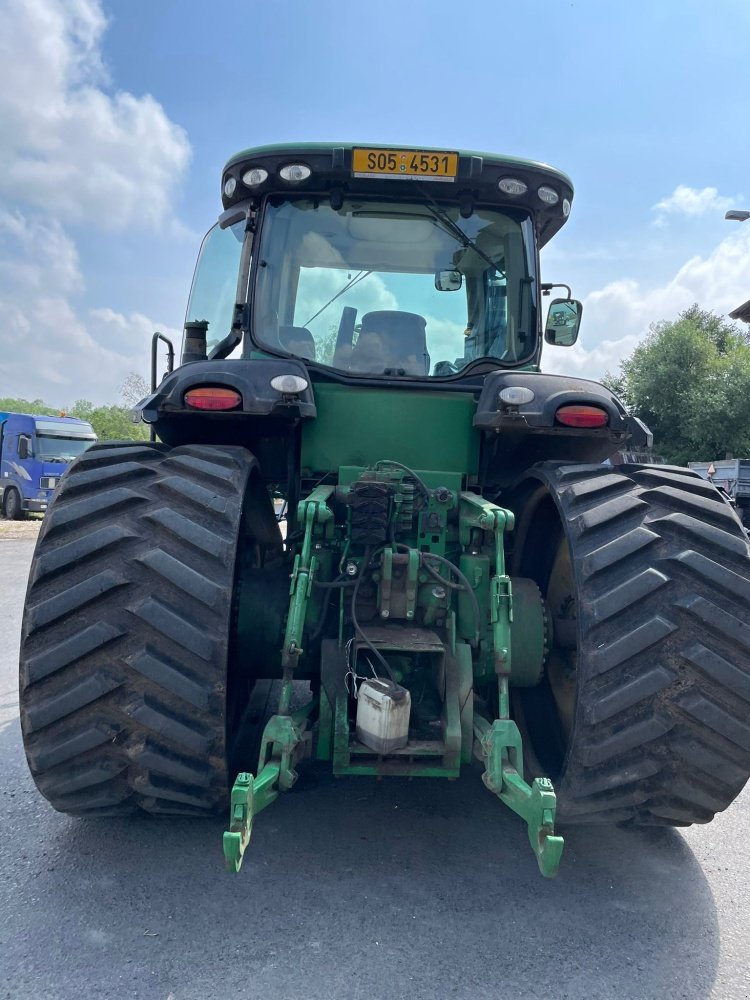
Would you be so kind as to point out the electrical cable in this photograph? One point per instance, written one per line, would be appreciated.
(441, 579)
(464, 585)
(323, 618)
(467, 587)
(338, 584)
(420, 482)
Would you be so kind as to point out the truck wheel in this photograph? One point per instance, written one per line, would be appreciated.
(12, 507)
(126, 650)
(643, 713)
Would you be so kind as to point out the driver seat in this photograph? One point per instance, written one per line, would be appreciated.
(297, 340)
(391, 340)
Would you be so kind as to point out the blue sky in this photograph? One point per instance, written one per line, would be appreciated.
(116, 118)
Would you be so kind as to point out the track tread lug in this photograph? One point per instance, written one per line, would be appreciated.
(82, 512)
(103, 476)
(691, 504)
(632, 737)
(703, 535)
(67, 651)
(71, 744)
(629, 693)
(51, 706)
(676, 478)
(75, 598)
(624, 595)
(209, 542)
(617, 509)
(711, 616)
(82, 776)
(172, 625)
(79, 549)
(626, 647)
(166, 673)
(714, 574)
(156, 718)
(202, 468)
(184, 577)
(611, 553)
(713, 666)
(705, 711)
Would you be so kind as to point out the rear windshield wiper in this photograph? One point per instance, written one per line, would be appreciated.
(454, 230)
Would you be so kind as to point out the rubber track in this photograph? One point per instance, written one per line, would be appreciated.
(662, 725)
(126, 628)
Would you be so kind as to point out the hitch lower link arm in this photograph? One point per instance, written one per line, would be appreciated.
(285, 741)
(499, 745)
(284, 738)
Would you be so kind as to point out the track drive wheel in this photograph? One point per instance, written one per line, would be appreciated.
(126, 648)
(643, 716)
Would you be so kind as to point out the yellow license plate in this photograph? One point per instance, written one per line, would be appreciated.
(405, 163)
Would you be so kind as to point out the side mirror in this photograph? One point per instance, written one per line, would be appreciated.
(24, 451)
(563, 322)
(448, 281)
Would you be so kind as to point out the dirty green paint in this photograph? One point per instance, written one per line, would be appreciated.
(425, 430)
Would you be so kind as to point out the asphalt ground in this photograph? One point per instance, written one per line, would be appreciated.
(355, 889)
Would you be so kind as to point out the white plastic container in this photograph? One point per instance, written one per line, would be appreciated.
(383, 710)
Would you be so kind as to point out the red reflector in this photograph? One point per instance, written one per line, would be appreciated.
(582, 416)
(213, 398)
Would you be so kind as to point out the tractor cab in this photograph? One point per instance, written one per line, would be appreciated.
(385, 264)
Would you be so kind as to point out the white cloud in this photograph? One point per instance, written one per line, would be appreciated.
(445, 339)
(618, 316)
(689, 201)
(68, 146)
(48, 348)
(71, 153)
(36, 254)
(585, 362)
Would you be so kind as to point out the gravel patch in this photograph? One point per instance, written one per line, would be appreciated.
(28, 528)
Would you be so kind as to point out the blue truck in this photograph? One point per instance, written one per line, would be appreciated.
(34, 453)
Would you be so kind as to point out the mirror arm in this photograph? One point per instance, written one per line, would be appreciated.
(547, 287)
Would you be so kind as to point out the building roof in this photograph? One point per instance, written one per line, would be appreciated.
(742, 312)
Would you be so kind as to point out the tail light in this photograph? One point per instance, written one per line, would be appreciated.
(578, 415)
(213, 398)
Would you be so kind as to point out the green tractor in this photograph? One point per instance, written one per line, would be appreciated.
(364, 496)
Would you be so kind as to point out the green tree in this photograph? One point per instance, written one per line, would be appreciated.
(689, 380)
(326, 348)
(111, 423)
(35, 406)
(82, 409)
